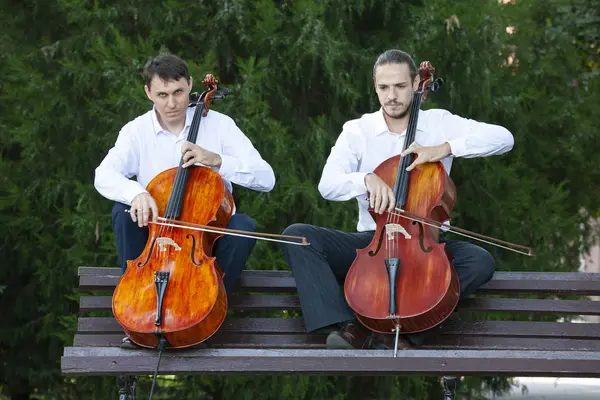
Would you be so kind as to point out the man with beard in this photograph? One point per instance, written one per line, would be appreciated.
(364, 143)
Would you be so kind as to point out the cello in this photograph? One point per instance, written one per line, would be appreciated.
(174, 290)
(173, 295)
(403, 281)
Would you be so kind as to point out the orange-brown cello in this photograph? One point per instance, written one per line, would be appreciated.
(173, 294)
(403, 281)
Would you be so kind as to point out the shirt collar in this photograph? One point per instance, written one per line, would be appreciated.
(380, 126)
(157, 127)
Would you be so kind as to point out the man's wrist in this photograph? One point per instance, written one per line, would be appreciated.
(217, 160)
(447, 149)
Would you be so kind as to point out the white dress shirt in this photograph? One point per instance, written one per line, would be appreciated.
(366, 142)
(144, 149)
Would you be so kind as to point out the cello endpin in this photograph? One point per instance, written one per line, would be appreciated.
(397, 330)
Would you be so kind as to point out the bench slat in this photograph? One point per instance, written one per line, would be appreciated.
(542, 306)
(289, 302)
(224, 339)
(220, 339)
(97, 283)
(102, 325)
(92, 325)
(105, 279)
(247, 302)
(114, 361)
(512, 343)
(523, 328)
(543, 283)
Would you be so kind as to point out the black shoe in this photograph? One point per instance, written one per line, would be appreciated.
(350, 336)
(126, 343)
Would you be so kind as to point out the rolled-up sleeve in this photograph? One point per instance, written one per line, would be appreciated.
(469, 138)
(121, 163)
(340, 179)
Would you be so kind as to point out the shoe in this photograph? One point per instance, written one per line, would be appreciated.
(350, 336)
(382, 341)
(126, 343)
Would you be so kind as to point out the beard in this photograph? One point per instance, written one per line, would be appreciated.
(399, 115)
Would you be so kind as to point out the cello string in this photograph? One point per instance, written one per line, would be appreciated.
(177, 192)
(174, 199)
(404, 177)
(400, 190)
(181, 175)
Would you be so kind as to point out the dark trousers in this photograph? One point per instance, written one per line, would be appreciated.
(320, 270)
(231, 251)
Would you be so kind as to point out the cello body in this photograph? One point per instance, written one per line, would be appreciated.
(173, 293)
(194, 304)
(403, 281)
(426, 285)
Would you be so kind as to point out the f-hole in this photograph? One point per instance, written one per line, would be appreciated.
(193, 251)
(149, 255)
(374, 253)
(421, 238)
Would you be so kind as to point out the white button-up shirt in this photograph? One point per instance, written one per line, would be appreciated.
(144, 149)
(366, 142)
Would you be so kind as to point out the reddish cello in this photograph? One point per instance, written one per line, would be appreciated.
(404, 281)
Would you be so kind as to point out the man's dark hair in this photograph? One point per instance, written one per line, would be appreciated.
(167, 66)
(396, 57)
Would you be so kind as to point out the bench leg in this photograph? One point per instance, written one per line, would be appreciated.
(450, 384)
(126, 385)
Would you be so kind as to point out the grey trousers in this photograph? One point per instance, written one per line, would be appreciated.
(320, 270)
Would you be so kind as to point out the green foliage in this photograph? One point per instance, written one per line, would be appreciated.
(297, 70)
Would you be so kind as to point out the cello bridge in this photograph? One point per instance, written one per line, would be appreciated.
(163, 242)
(390, 229)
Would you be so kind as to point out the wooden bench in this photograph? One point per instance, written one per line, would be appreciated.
(252, 340)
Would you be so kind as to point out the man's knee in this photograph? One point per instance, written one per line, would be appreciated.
(486, 264)
(242, 222)
(298, 230)
(239, 222)
(309, 232)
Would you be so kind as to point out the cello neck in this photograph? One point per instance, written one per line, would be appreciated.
(174, 205)
(426, 83)
(401, 184)
(202, 104)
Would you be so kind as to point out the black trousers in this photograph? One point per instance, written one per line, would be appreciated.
(320, 270)
(231, 251)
